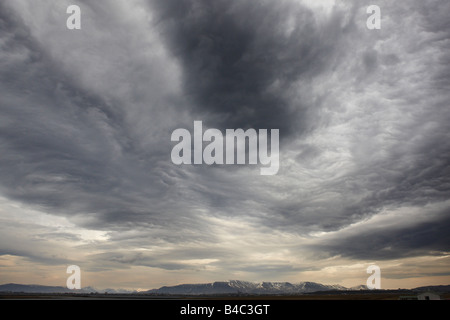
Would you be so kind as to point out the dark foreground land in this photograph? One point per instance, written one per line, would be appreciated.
(351, 295)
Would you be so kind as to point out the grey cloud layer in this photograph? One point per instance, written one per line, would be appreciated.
(363, 116)
(240, 59)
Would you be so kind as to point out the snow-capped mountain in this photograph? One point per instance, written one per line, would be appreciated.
(245, 287)
(360, 287)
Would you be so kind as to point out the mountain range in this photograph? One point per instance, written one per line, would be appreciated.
(245, 287)
(219, 287)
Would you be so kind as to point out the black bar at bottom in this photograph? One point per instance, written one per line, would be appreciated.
(221, 309)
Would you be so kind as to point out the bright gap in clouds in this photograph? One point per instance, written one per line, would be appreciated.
(40, 224)
(326, 5)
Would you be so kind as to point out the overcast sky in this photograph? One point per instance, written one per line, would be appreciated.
(86, 118)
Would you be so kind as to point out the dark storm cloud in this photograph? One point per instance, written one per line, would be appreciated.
(63, 147)
(39, 257)
(408, 168)
(240, 59)
(423, 239)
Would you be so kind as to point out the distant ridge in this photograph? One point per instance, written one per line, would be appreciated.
(33, 288)
(438, 289)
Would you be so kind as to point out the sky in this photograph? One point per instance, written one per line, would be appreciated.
(86, 118)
